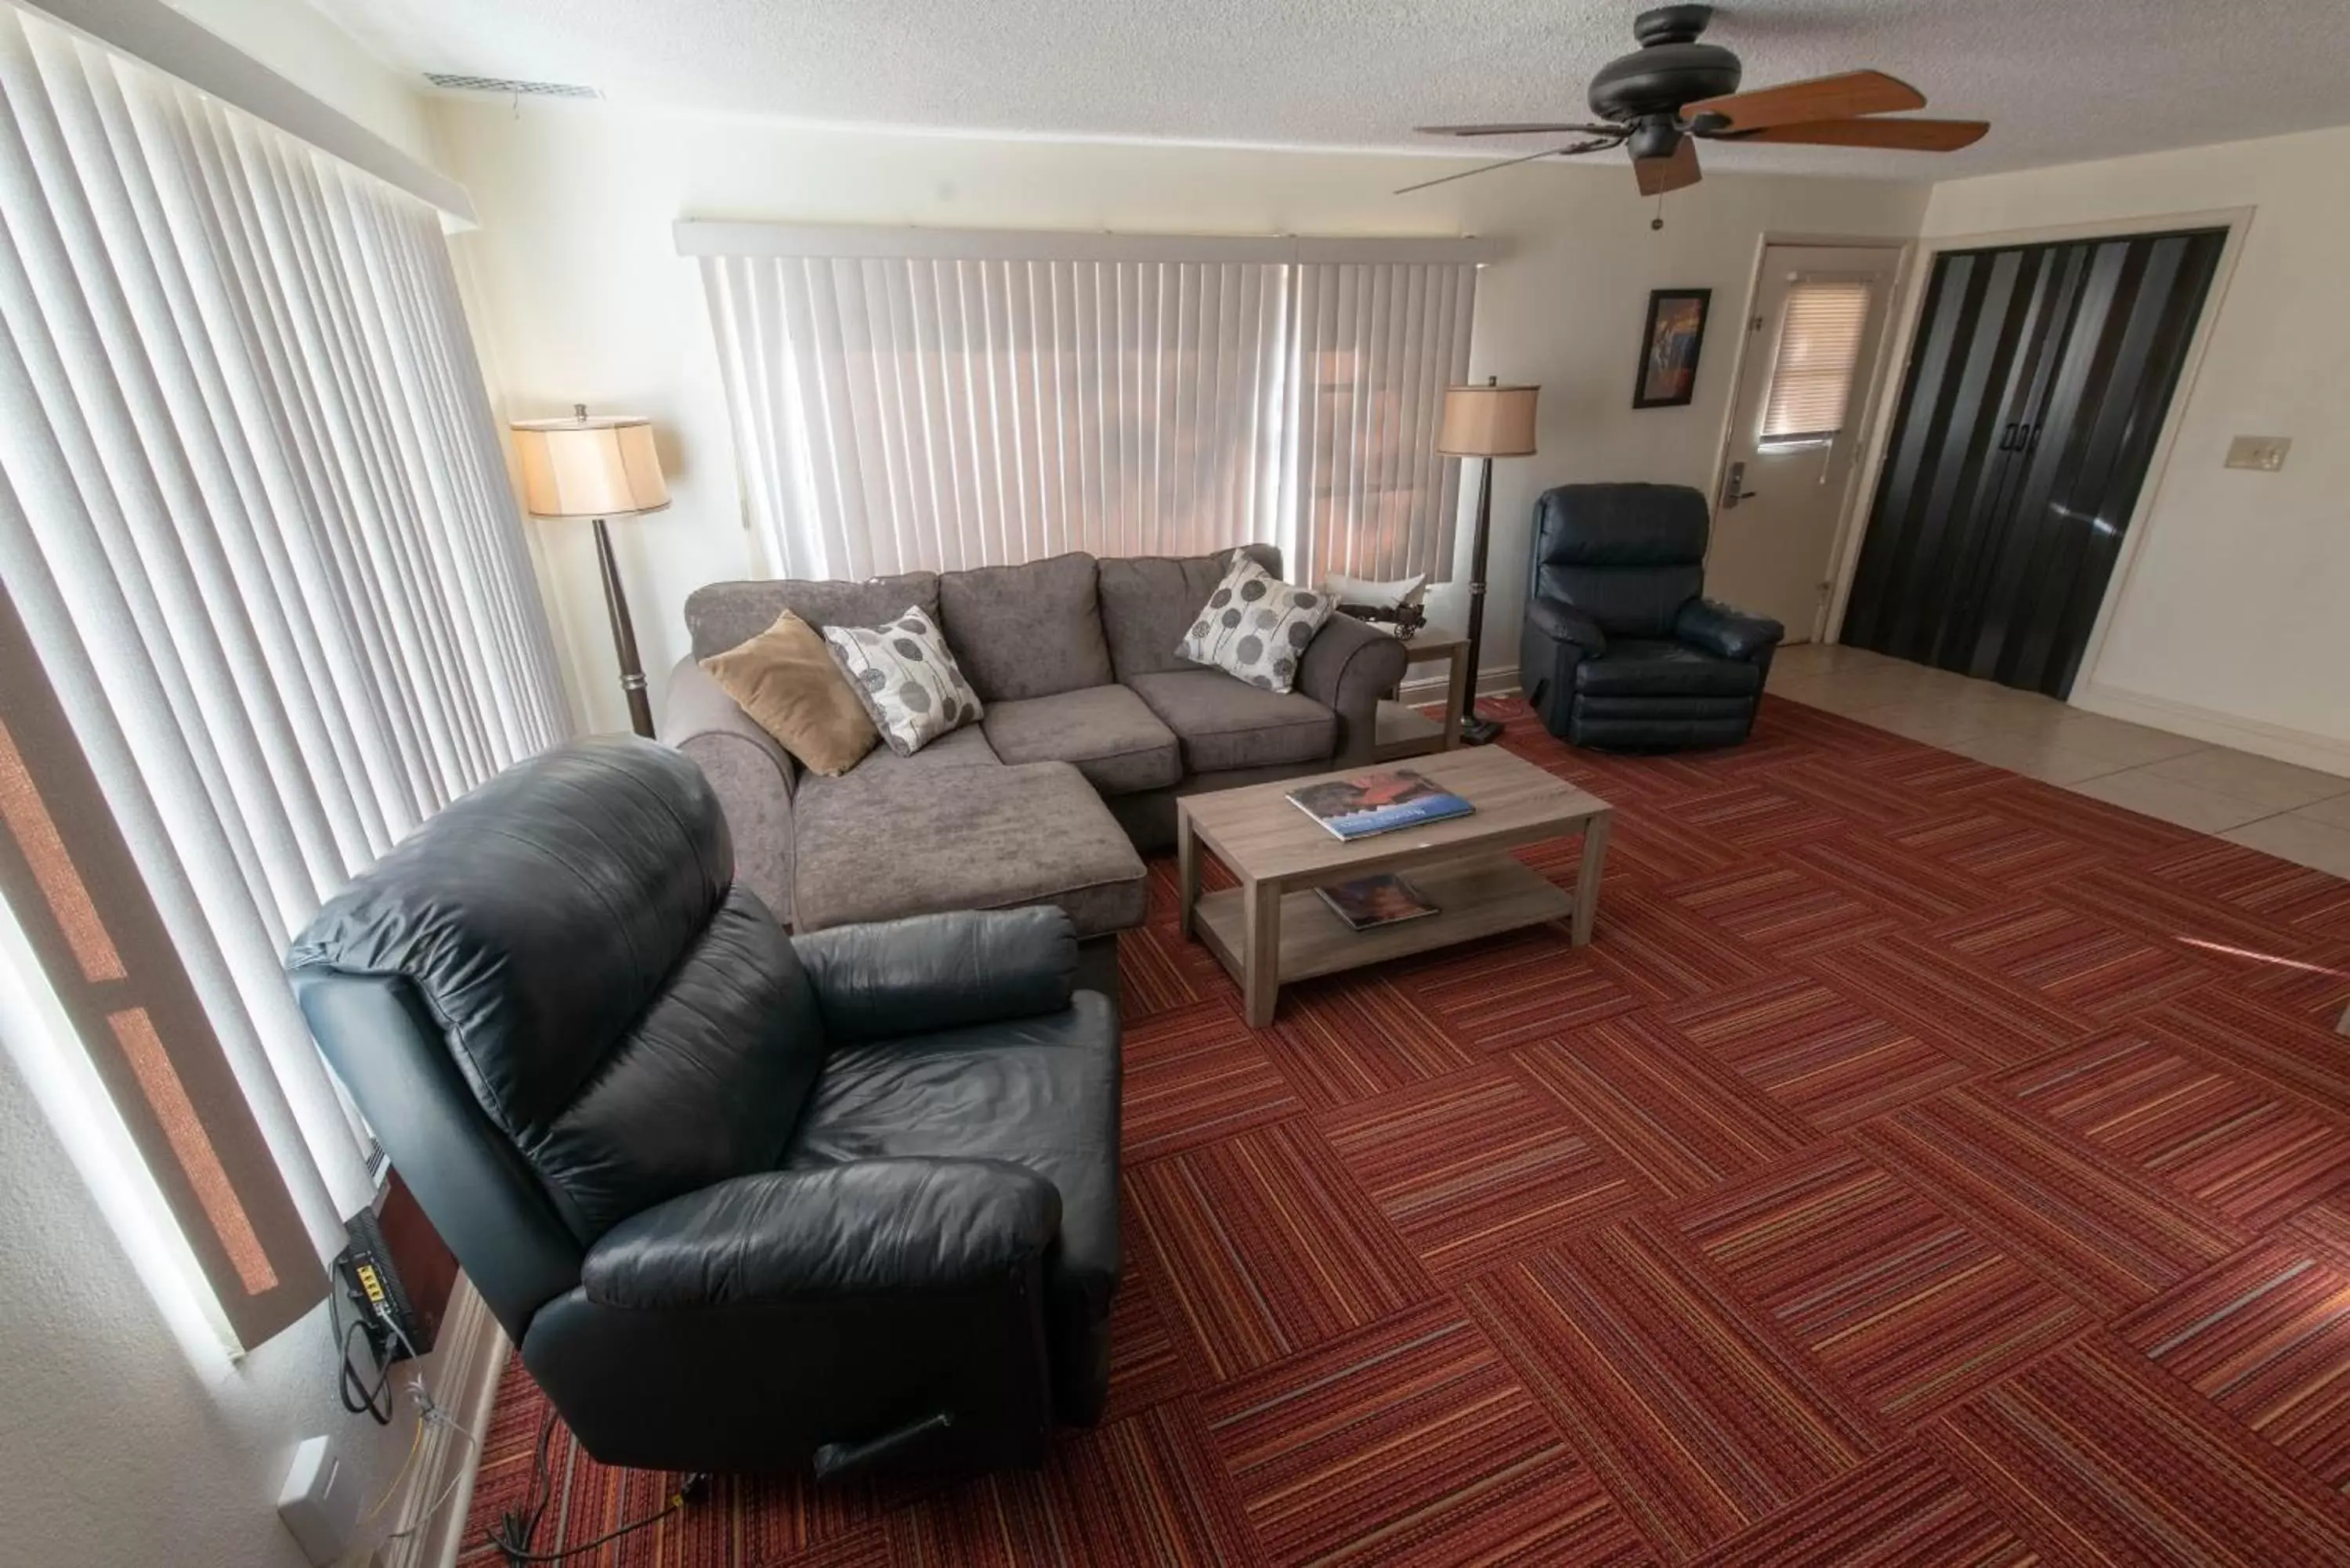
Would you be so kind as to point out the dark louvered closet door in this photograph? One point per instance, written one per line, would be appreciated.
(2033, 397)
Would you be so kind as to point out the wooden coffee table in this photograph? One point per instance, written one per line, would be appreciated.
(1273, 927)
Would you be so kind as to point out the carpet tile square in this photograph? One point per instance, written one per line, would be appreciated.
(1194, 1076)
(1696, 1417)
(2297, 1057)
(1410, 1441)
(2099, 970)
(1815, 1050)
(1962, 1008)
(1912, 888)
(1657, 951)
(2095, 1455)
(1266, 1247)
(1856, 797)
(2278, 890)
(1646, 849)
(2234, 1149)
(2085, 1222)
(1901, 1507)
(1776, 907)
(2121, 835)
(1494, 995)
(2212, 932)
(2266, 1336)
(2016, 855)
(1673, 1119)
(1160, 970)
(1354, 1035)
(1477, 1167)
(1756, 819)
(1896, 1299)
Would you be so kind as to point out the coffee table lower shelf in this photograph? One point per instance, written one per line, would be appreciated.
(1474, 897)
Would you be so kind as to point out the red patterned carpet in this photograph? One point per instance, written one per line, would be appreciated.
(1924, 1165)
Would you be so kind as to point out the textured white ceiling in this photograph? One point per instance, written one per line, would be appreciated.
(2061, 80)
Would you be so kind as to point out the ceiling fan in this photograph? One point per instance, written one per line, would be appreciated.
(1672, 92)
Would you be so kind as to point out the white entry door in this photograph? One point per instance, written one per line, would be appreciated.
(1796, 436)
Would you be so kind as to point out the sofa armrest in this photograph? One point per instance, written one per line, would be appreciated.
(941, 972)
(1348, 666)
(862, 1228)
(751, 774)
(1725, 632)
(1561, 622)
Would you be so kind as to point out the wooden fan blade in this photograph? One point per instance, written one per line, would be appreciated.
(1822, 98)
(1659, 175)
(1498, 130)
(1907, 135)
(1512, 162)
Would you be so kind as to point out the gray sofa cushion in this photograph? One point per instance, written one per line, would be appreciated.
(1148, 603)
(1026, 631)
(963, 748)
(1106, 732)
(880, 843)
(727, 615)
(1227, 724)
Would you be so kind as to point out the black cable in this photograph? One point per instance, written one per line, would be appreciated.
(356, 1395)
(518, 1525)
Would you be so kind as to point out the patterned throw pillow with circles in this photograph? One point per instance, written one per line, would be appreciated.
(1255, 625)
(907, 678)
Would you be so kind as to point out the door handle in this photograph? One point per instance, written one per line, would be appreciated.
(2007, 437)
(1732, 495)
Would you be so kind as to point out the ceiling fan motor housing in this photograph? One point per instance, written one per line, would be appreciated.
(1670, 67)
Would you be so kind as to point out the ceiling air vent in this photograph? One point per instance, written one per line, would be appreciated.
(507, 87)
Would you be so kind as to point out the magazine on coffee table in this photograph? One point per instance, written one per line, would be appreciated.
(1367, 804)
(1371, 901)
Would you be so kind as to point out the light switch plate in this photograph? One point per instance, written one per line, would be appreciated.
(2265, 453)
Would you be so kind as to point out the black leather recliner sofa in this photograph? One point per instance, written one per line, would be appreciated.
(1619, 651)
(745, 1202)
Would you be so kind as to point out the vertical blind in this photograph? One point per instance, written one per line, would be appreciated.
(942, 411)
(1819, 348)
(256, 520)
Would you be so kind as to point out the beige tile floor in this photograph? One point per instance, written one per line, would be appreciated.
(2297, 814)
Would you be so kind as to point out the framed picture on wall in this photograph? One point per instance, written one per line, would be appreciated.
(1668, 347)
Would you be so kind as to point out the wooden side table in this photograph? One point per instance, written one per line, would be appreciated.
(1406, 732)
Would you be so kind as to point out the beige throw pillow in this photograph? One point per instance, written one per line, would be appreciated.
(789, 683)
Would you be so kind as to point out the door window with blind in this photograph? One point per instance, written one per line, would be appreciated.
(938, 400)
(1814, 362)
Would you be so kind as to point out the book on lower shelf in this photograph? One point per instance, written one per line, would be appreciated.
(1369, 902)
(1368, 803)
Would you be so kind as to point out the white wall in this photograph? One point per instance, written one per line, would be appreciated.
(2232, 620)
(116, 1450)
(581, 296)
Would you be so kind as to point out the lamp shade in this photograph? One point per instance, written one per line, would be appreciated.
(1488, 421)
(584, 467)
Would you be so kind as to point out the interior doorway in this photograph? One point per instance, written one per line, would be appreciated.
(1805, 385)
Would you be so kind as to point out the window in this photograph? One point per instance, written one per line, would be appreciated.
(267, 607)
(1819, 348)
(936, 401)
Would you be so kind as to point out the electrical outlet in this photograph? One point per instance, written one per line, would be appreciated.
(2265, 453)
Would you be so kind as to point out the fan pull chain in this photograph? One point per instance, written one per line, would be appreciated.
(1659, 221)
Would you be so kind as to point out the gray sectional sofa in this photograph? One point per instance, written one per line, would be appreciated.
(1094, 726)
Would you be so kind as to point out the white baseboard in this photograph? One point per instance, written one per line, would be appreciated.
(2303, 748)
(1420, 690)
(467, 1363)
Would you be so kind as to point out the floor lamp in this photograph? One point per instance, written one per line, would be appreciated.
(1488, 421)
(598, 468)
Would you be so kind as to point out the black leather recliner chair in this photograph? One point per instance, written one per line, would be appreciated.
(744, 1202)
(1619, 651)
